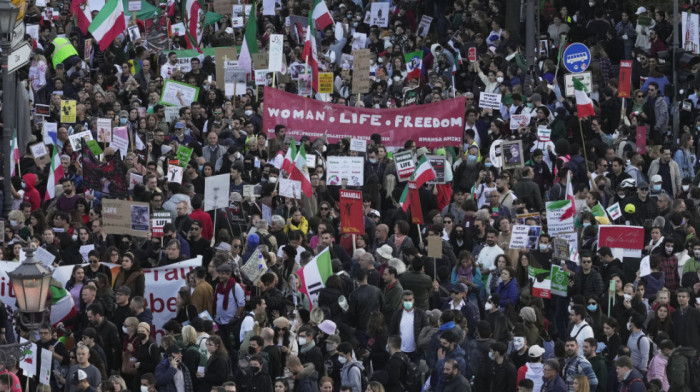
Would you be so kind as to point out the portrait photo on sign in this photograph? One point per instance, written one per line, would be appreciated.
(512, 154)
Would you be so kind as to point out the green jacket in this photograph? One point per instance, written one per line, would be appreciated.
(600, 368)
(691, 266)
(392, 299)
(678, 369)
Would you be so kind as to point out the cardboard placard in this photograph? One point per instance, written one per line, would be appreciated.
(126, 217)
(435, 247)
(360, 73)
(223, 7)
(260, 60)
(221, 55)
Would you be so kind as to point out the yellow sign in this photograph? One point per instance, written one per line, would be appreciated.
(22, 5)
(325, 82)
(68, 111)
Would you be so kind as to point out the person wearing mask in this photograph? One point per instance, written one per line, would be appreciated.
(407, 323)
(504, 374)
(259, 380)
(351, 373)
(308, 351)
(496, 318)
(638, 343)
(668, 170)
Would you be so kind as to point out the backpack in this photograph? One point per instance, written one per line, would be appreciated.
(413, 380)
(652, 347)
(235, 331)
(198, 350)
(694, 370)
(363, 377)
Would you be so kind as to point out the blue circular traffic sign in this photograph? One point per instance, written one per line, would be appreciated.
(576, 57)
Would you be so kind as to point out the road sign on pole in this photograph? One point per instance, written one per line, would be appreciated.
(18, 57)
(576, 57)
(18, 34)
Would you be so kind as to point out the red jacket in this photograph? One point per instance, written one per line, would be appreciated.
(205, 219)
(30, 193)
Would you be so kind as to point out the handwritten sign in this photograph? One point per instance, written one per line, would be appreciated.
(519, 121)
(325, 82)
(358, 145)
(290, 188)
(490, 101)
(619, 236)
(178, 94)
(276, 51)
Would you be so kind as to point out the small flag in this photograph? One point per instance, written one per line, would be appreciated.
(584, 105)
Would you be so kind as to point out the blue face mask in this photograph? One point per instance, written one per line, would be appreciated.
(488, 164)
(123, 121)
(471, 158)
(592, 307)
(201, 168)
(656, 188)
(372, 160)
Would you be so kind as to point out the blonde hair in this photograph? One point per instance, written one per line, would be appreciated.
(189, 335)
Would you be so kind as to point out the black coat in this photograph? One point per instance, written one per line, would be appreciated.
(420, 320)
(687, 327)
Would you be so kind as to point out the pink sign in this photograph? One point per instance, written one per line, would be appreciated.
(625, 237)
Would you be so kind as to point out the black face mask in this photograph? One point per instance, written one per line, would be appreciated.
(141, 336)
(252, 351)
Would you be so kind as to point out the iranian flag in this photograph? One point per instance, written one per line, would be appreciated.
(309, 54)
(414, 64)
(570, 191)
(423, 173)
(414, 203)
(300, 172)
(83, 16)
(108, 23)
(584, 105)
(250, 43)
(289, 157)
(321, 14)
(600, 214)
(55, 174)
(195, 24)
(314, 275)
(14, 147)
(62, 305)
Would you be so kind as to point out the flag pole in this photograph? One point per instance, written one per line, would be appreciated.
(583, 143)
(561, 47)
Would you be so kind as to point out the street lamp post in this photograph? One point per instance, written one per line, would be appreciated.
(30, 282)
(8, 19)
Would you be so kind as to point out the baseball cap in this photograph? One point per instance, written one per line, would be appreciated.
(640, 10)
(535, 351)
(79, 376)
(124, 290)
(656, 178)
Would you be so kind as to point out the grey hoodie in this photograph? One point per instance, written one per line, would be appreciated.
(351, 375)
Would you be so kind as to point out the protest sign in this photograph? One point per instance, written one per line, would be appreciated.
(438, 162)
(104, 130)
(411, 96)
(183, 155)
(544, 134)
(560, 249)
(275, 52)
(522, 218)
(134, 33)
(290, 188)
(584, 77)
(255, 267)
(352, 218)
(614, 211)
(305, 84)
(424, 26)
(359, 145)
(125, 217)
(560, 216)
(405, 165)
(490, 101)
(435, 247)
(134, 5)
(360, 73)
(690, 32)
(68, 111)
(540, 281)
(359, 40)
(560, 281)
(156, 39)
(234, 79)
(325, 82)
(175, 173)
(640, 145)
(178, 94)
(524, 237)
(249, 192)
(339, 169)
(572, 239)
(624, 79)
(512, 154)
(39, 150)
(158, 220)
(222, 55)
(85, 252)
(134, 179)
(629, 238)
(261, 77)
(120, 140)
(519, 121)
(223, 7)
(94, 147)
(76, 138)
(379, 14)
(216, 191)
(309, 117)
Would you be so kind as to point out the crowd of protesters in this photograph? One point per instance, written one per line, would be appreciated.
(389, 317)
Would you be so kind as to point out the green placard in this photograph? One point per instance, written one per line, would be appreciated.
(560, 281)
(94, 147)
(183, 155)
(188, 93)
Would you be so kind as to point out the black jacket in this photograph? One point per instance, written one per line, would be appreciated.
(260, 382)
(363, 301)
(397, 369)
(420, 320)
(457, 384)
(110, 342)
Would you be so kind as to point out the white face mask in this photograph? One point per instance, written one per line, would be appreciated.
(248, 113)
(627, 297)
(685, 188)
(126, 331)
(499, 79)
(302, 341)
(397, 79)
(492, 356)
(488, 306)
(518, 343)
(144, 388)
(629, 326)
(569, 308)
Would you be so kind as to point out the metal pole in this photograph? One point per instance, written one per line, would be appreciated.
(675, 51)
(530, 31)
(8, 118)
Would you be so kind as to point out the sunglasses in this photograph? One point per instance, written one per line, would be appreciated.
(235, 246)
(325, 208)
